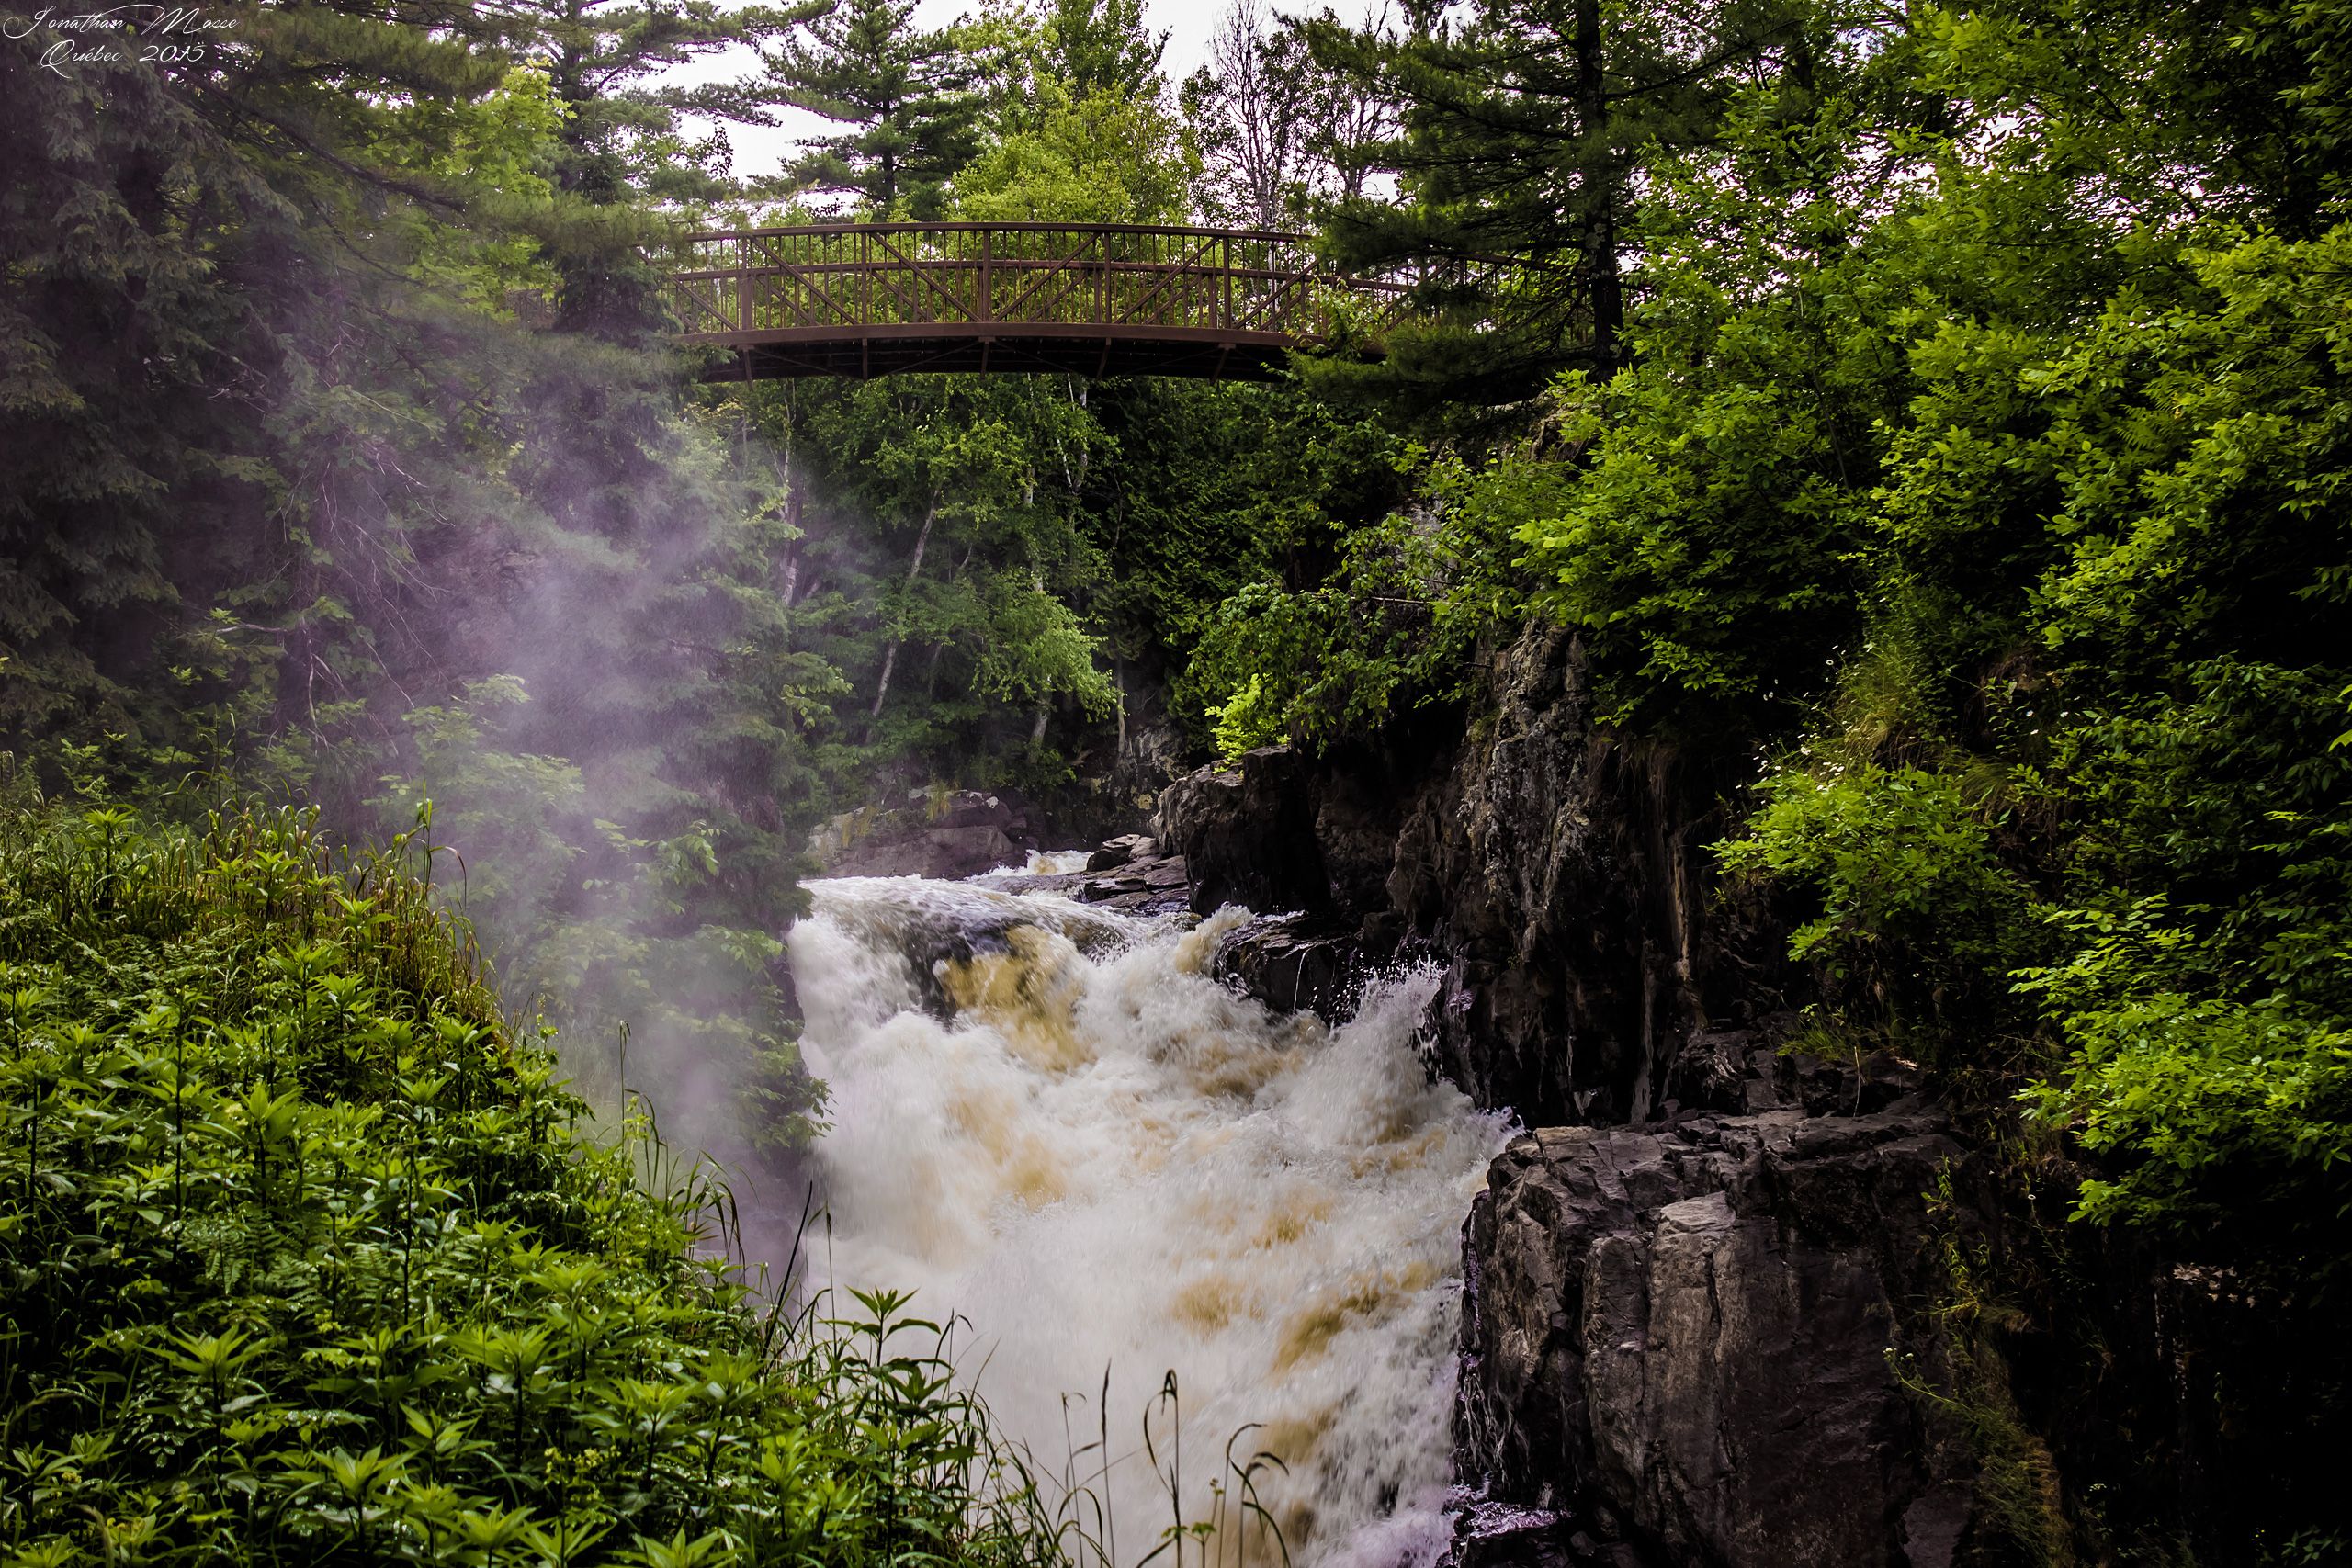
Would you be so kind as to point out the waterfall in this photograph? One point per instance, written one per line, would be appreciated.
(1051, 1121)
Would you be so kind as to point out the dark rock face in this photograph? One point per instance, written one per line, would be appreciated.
(1557, 874)
(1490, 1534)
(1679, 1307)
(1677, 1335)
(1127, 873)
(962, 834)
(1247, 834)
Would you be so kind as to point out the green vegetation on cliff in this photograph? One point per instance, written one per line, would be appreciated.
(1936, 422)
(1978, 455)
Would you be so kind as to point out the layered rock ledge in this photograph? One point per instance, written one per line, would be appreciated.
(944, 834)
(1680, 1342)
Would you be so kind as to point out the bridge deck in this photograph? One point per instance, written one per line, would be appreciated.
(870, 298)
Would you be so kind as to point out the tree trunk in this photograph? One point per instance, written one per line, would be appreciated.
(891, 654)
(1599, 177)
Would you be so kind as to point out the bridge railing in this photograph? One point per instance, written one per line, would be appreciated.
(968, 276)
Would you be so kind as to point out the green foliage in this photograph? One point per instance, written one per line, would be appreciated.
(947, 569)
(2228, 1115)
(1703, 539)
(1103, 157)
(1103, 46)
(1977, 458)
(1038, 651)
(625, 131)
(1902, 866)
(1076, 129)
(905, 97)
(308, 1258)
(364, 498)
(500, 139)
(1394, 628)
(1519, 133)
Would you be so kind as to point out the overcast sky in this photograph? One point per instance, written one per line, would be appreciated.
(762, 150)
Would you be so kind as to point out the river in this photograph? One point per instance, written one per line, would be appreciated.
(1051, 1121)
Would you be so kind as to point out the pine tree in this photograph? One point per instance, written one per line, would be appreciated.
(905, 97)
(1103, 46)
(223, 391)
(1521, 130)
(626, 136)
(608, 60)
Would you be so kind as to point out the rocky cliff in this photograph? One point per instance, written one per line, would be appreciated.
(1556, 873)
(1686, 1285)
(1678, 1340)
(1712, 1313)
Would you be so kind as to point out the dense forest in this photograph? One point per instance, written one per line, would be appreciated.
(1935, 422)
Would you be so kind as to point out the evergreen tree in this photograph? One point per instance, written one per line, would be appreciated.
(226, 384)
(1521, 130)
(904, 96)
(622, 131)
(1103, 46)
(625, 137)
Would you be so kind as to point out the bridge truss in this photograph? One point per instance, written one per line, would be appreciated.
(865, 300)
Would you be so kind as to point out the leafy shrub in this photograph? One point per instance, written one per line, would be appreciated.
(1394, 628)
(1909, 899)
(2219, 1111)
(308, 1259)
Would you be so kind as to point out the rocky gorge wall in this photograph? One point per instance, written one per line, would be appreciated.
(1678, 1336)
(1729, 1308)
(1556, 873)
(1726, 1307)
(1686, 1281)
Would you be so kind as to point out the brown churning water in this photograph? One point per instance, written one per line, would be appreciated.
(1052, 1121)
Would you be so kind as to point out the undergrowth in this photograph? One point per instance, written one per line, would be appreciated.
(310, 1259)
(1965, 1389)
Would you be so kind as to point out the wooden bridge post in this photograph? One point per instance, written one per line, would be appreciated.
(1224, 270)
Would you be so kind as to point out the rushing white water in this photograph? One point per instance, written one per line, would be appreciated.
(1107, 1160)
(1050, 863)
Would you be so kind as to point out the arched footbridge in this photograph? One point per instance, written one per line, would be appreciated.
(865, 300)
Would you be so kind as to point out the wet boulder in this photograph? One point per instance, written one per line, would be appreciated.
(1121, 850)
(1681, 1335)
(1294, 964)
(1247, 834)
(1146, 883)
(946, 835)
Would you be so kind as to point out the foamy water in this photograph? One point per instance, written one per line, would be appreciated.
(1053, 863)
(1107, 1160)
